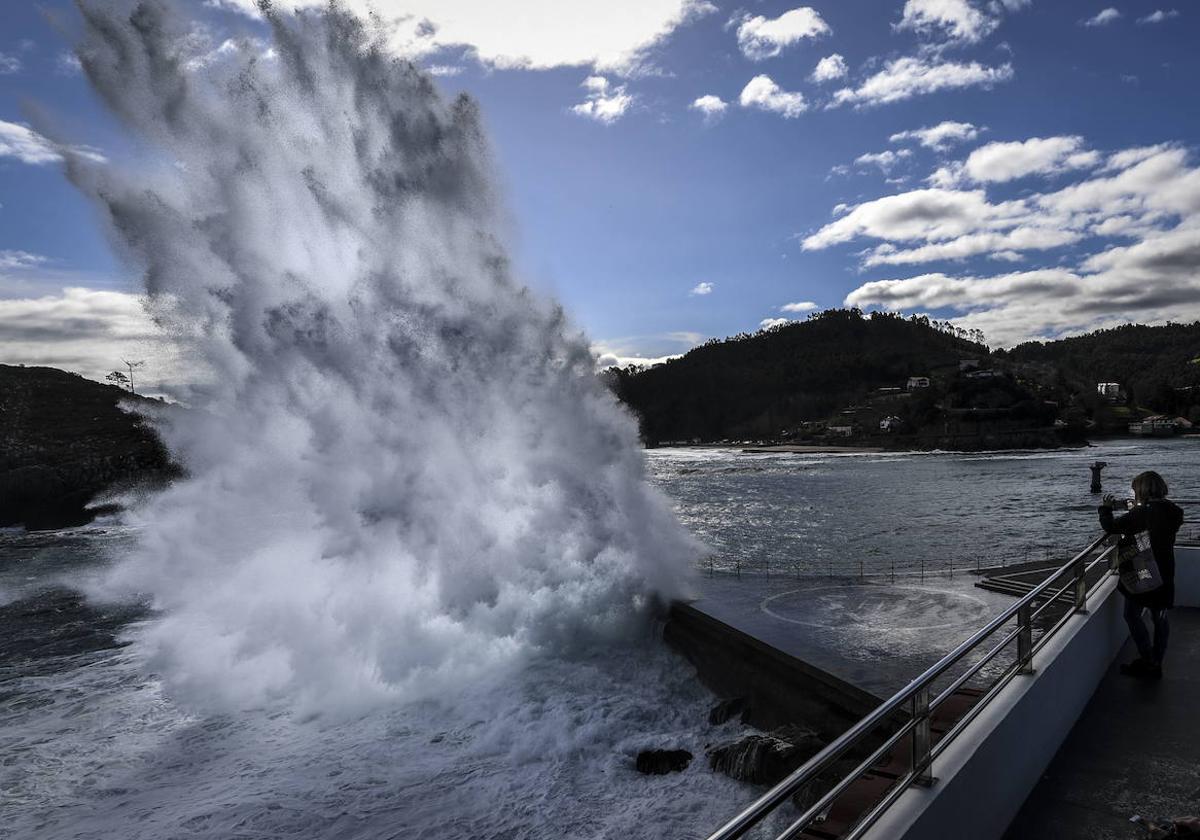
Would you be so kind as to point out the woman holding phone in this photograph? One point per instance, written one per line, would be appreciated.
(1153, 514)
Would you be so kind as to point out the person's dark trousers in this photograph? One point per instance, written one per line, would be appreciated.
(1151, 652)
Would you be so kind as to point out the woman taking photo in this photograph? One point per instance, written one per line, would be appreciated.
(1160, 519)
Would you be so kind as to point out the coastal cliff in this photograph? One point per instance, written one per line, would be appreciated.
(65, 441)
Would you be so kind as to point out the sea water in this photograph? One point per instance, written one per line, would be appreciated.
(94, 746)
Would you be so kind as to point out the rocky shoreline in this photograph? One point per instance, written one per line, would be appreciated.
(66, 442)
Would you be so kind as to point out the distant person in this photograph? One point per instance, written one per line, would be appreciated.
(1160, 519)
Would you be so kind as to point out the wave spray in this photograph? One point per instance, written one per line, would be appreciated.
(404, 472)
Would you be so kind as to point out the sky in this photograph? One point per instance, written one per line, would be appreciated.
(678, 170)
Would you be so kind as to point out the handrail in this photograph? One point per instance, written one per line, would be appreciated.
(917, 689)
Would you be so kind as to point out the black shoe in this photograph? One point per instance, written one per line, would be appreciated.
(1153, 672)
(1137, 668)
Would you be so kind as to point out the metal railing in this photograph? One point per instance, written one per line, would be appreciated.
(913, 705)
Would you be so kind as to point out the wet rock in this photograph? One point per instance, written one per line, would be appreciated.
(738, 707)
(765, 759)
(661, 762)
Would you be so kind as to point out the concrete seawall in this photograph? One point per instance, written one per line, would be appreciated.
(780, 689)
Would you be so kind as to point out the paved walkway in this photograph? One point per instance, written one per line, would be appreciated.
(1135, 750)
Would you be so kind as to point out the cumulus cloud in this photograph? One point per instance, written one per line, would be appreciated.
(444, 69)
(609, 35)
(829, 68)
(768, 323)
(712, 107)
(1102, 17)
(1135, 222)
(9, 64)
(999, 162)
(26, 145)
(762, 93)
(885, 160)
(702, 289)
(957, 20)
(1158, 16)
(605, 103)
(909, 76)
(939, 137)
(761, 38)
(801, 306)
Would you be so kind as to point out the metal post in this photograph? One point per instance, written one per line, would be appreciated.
(1080, 585)
(893, 570)
(1024, 640)
(922, 741)
(860, 569)
(738, 566)
(922, 570)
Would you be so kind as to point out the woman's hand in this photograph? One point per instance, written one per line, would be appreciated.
(1108, 501)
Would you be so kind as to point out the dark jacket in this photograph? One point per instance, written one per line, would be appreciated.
(1161, 519)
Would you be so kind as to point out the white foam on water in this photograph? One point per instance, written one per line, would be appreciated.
(403, 473)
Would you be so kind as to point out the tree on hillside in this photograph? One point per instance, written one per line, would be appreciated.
(119, 379)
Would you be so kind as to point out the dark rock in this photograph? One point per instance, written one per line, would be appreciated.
(661, 762)
(65, 440)
(737, 707)
(765, 759)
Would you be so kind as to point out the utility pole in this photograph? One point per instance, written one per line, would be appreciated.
(132, 366)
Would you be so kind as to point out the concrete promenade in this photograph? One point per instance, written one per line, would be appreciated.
(1135, 750)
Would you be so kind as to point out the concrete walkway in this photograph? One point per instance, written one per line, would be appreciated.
(1135, 750)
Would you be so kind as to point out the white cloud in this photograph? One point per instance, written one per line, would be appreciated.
(954, 19)
(829, 68)
(885, 160)
(19, 259)
(644, 351)
(702, 289)
(1102, 18)
(802, 306)
(444, 69)
(605, 103)
(609, 35)
(768, 323)
(904, 78)
(1145, 198)
(88, 331)
(712, 107)
(1159, 16)
(9, 64)
(760, 38)
(26, 145)
(999, 162)
(939, 137)
(761, 92)
(67, 64)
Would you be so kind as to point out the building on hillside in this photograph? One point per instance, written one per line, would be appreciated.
(890, 424)
(915, 382)
(1156, 425)
(1109, 390)
(841, 431)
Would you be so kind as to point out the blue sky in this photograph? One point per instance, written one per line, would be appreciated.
(678, 169)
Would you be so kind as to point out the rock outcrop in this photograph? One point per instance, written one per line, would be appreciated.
(64, 440)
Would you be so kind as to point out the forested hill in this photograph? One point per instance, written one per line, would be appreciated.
(756, 385)
(1158, 367)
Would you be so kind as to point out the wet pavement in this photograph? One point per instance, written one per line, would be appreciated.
(1135, 750)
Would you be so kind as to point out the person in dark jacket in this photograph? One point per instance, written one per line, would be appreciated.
(1160, 519)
